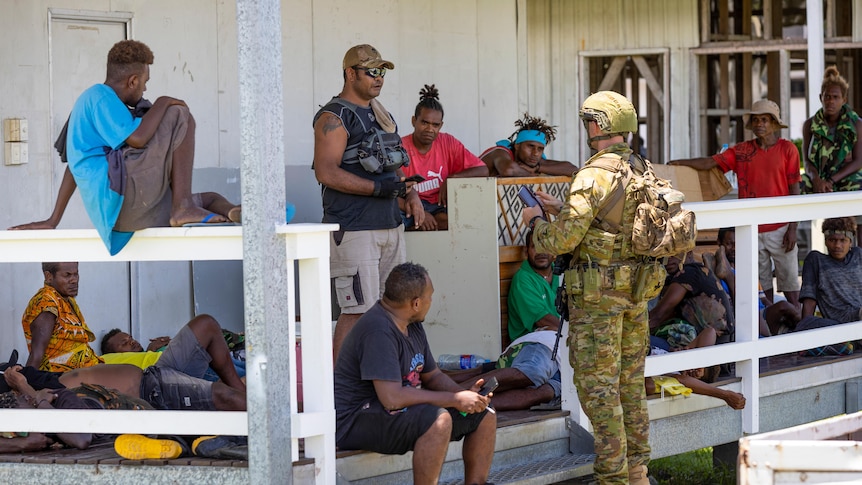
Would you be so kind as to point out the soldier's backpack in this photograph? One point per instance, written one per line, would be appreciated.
(661, 226)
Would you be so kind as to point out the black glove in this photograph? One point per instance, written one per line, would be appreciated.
(389, 189)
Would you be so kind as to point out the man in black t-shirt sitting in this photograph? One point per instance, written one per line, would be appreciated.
(391, 398)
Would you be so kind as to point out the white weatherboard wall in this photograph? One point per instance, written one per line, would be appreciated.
(559, 31)
(183, 36)
(467, 48)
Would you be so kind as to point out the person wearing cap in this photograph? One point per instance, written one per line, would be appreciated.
(767, 166)
(370, 238)
(522, 154)
(608, 322)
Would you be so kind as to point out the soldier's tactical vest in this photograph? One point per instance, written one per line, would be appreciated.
(643, 220)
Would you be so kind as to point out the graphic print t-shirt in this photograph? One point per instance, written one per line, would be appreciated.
(375, 349)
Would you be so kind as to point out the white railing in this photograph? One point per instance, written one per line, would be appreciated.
(812, 453)
(745, 215)
(305, 243)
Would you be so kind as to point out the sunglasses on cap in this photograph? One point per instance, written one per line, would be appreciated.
(373, 72)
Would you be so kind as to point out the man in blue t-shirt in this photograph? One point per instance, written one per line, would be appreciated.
(133, 172)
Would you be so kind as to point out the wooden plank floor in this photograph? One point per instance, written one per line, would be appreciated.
(103, 453)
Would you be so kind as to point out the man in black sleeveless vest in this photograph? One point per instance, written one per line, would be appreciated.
(370, 240)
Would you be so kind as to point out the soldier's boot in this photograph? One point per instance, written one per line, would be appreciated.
(638, 475)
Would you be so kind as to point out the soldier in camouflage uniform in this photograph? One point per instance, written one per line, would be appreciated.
(608, 331)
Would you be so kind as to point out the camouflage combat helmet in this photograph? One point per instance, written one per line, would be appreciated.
(612, 111)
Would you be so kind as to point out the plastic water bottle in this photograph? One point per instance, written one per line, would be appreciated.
(723, 148)
(457, 362)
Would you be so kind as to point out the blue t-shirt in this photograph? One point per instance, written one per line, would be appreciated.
(99, 120)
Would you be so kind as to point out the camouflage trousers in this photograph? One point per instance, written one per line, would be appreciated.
(608, 343)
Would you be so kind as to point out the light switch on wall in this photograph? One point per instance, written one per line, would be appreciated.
(14, 129)
(16, 152)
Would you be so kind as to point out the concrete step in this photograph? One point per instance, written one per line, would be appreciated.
(541, 472)
(523, 452)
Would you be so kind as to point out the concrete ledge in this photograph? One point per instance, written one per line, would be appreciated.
(551, 437)
(112, 474)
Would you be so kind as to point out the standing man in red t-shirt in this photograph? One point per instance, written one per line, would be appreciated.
(767, 166)
(436, 157)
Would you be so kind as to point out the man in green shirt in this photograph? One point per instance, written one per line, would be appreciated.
(533, 293)
(526, 373)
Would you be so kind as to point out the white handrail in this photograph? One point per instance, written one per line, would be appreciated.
(306, 244)
(745, 214)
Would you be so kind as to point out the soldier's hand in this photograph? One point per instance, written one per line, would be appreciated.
(530, 212)
(551, 204)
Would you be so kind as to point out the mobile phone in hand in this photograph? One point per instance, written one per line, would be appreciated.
(489, 386)
(528, 197)
(415, 178)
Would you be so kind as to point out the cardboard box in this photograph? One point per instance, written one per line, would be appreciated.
(697, 185)
(713, 184)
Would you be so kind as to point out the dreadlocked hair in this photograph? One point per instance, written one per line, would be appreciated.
(528, 122)
(429, 97)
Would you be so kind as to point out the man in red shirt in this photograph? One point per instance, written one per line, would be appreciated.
(767, 166)
(436, 157)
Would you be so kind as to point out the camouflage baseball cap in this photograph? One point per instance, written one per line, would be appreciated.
(364, 55)
(613, 112)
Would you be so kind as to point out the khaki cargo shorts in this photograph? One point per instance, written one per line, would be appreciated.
(360, 264)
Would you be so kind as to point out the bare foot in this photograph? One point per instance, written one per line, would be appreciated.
(709, 261)
(194, 215)
(235, 214)
(215, 202)
(722, 265)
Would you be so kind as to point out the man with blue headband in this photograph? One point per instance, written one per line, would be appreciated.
(522, 154)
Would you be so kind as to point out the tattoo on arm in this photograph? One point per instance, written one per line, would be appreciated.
(330, 123)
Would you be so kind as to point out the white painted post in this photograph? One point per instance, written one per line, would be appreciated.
(816, 66)
(317, 421)
(747, 322)
(816, 63)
